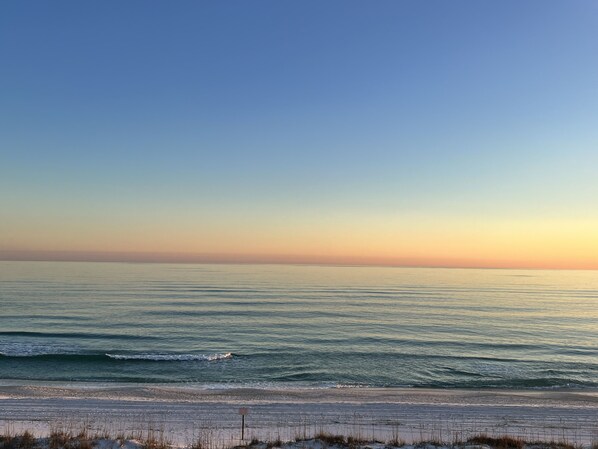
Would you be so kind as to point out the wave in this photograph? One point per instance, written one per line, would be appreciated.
(76, 335)
(172, 357)
(72, 355)
(36, 349)
(540, 383)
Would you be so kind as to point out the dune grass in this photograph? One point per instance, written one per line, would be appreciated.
(67, 438)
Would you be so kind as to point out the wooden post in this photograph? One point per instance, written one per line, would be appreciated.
(243, 411)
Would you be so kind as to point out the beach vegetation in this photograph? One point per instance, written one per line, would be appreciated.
(275, 443)
(66, 438)
(395, 437)
(156, 440)
(355, 442)
(331, 439)
(8, 442)
(502, 442)
(429, 443)
(24, 441)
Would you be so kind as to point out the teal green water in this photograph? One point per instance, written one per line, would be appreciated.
(280, 326)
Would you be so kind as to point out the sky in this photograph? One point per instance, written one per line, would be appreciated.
(419, 133)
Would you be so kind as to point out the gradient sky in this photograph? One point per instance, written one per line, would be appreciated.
(461, 133)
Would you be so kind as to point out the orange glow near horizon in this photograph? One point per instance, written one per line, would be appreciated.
(415, 242)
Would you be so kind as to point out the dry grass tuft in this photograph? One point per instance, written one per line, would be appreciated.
(197, 444)
(27, 441)
(354, 442)
(395, 437)
(427, 443)
(395, 442)
(8, 442)
(59, 439)
(276, 443)
(503, 442)
(331, 440)
(24, 441)
(156, 441)
(553, 445)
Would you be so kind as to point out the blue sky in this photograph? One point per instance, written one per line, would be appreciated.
(269, 111)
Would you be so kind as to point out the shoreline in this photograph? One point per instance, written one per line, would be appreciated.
(372, 412)
(210, 392)
(238, 392)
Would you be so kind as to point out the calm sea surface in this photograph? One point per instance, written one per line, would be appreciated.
(299, 326)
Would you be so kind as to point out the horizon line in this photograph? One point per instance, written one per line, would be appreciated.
(274, 259)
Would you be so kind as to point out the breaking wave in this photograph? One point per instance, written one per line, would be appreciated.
(47, 352)
(172, 357)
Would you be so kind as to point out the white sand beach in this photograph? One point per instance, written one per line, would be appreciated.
(183, 413)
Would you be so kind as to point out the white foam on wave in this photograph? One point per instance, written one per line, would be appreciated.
(172, 357)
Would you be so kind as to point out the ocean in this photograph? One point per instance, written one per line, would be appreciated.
(281, 326)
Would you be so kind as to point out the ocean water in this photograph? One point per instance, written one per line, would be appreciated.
(277, 326)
